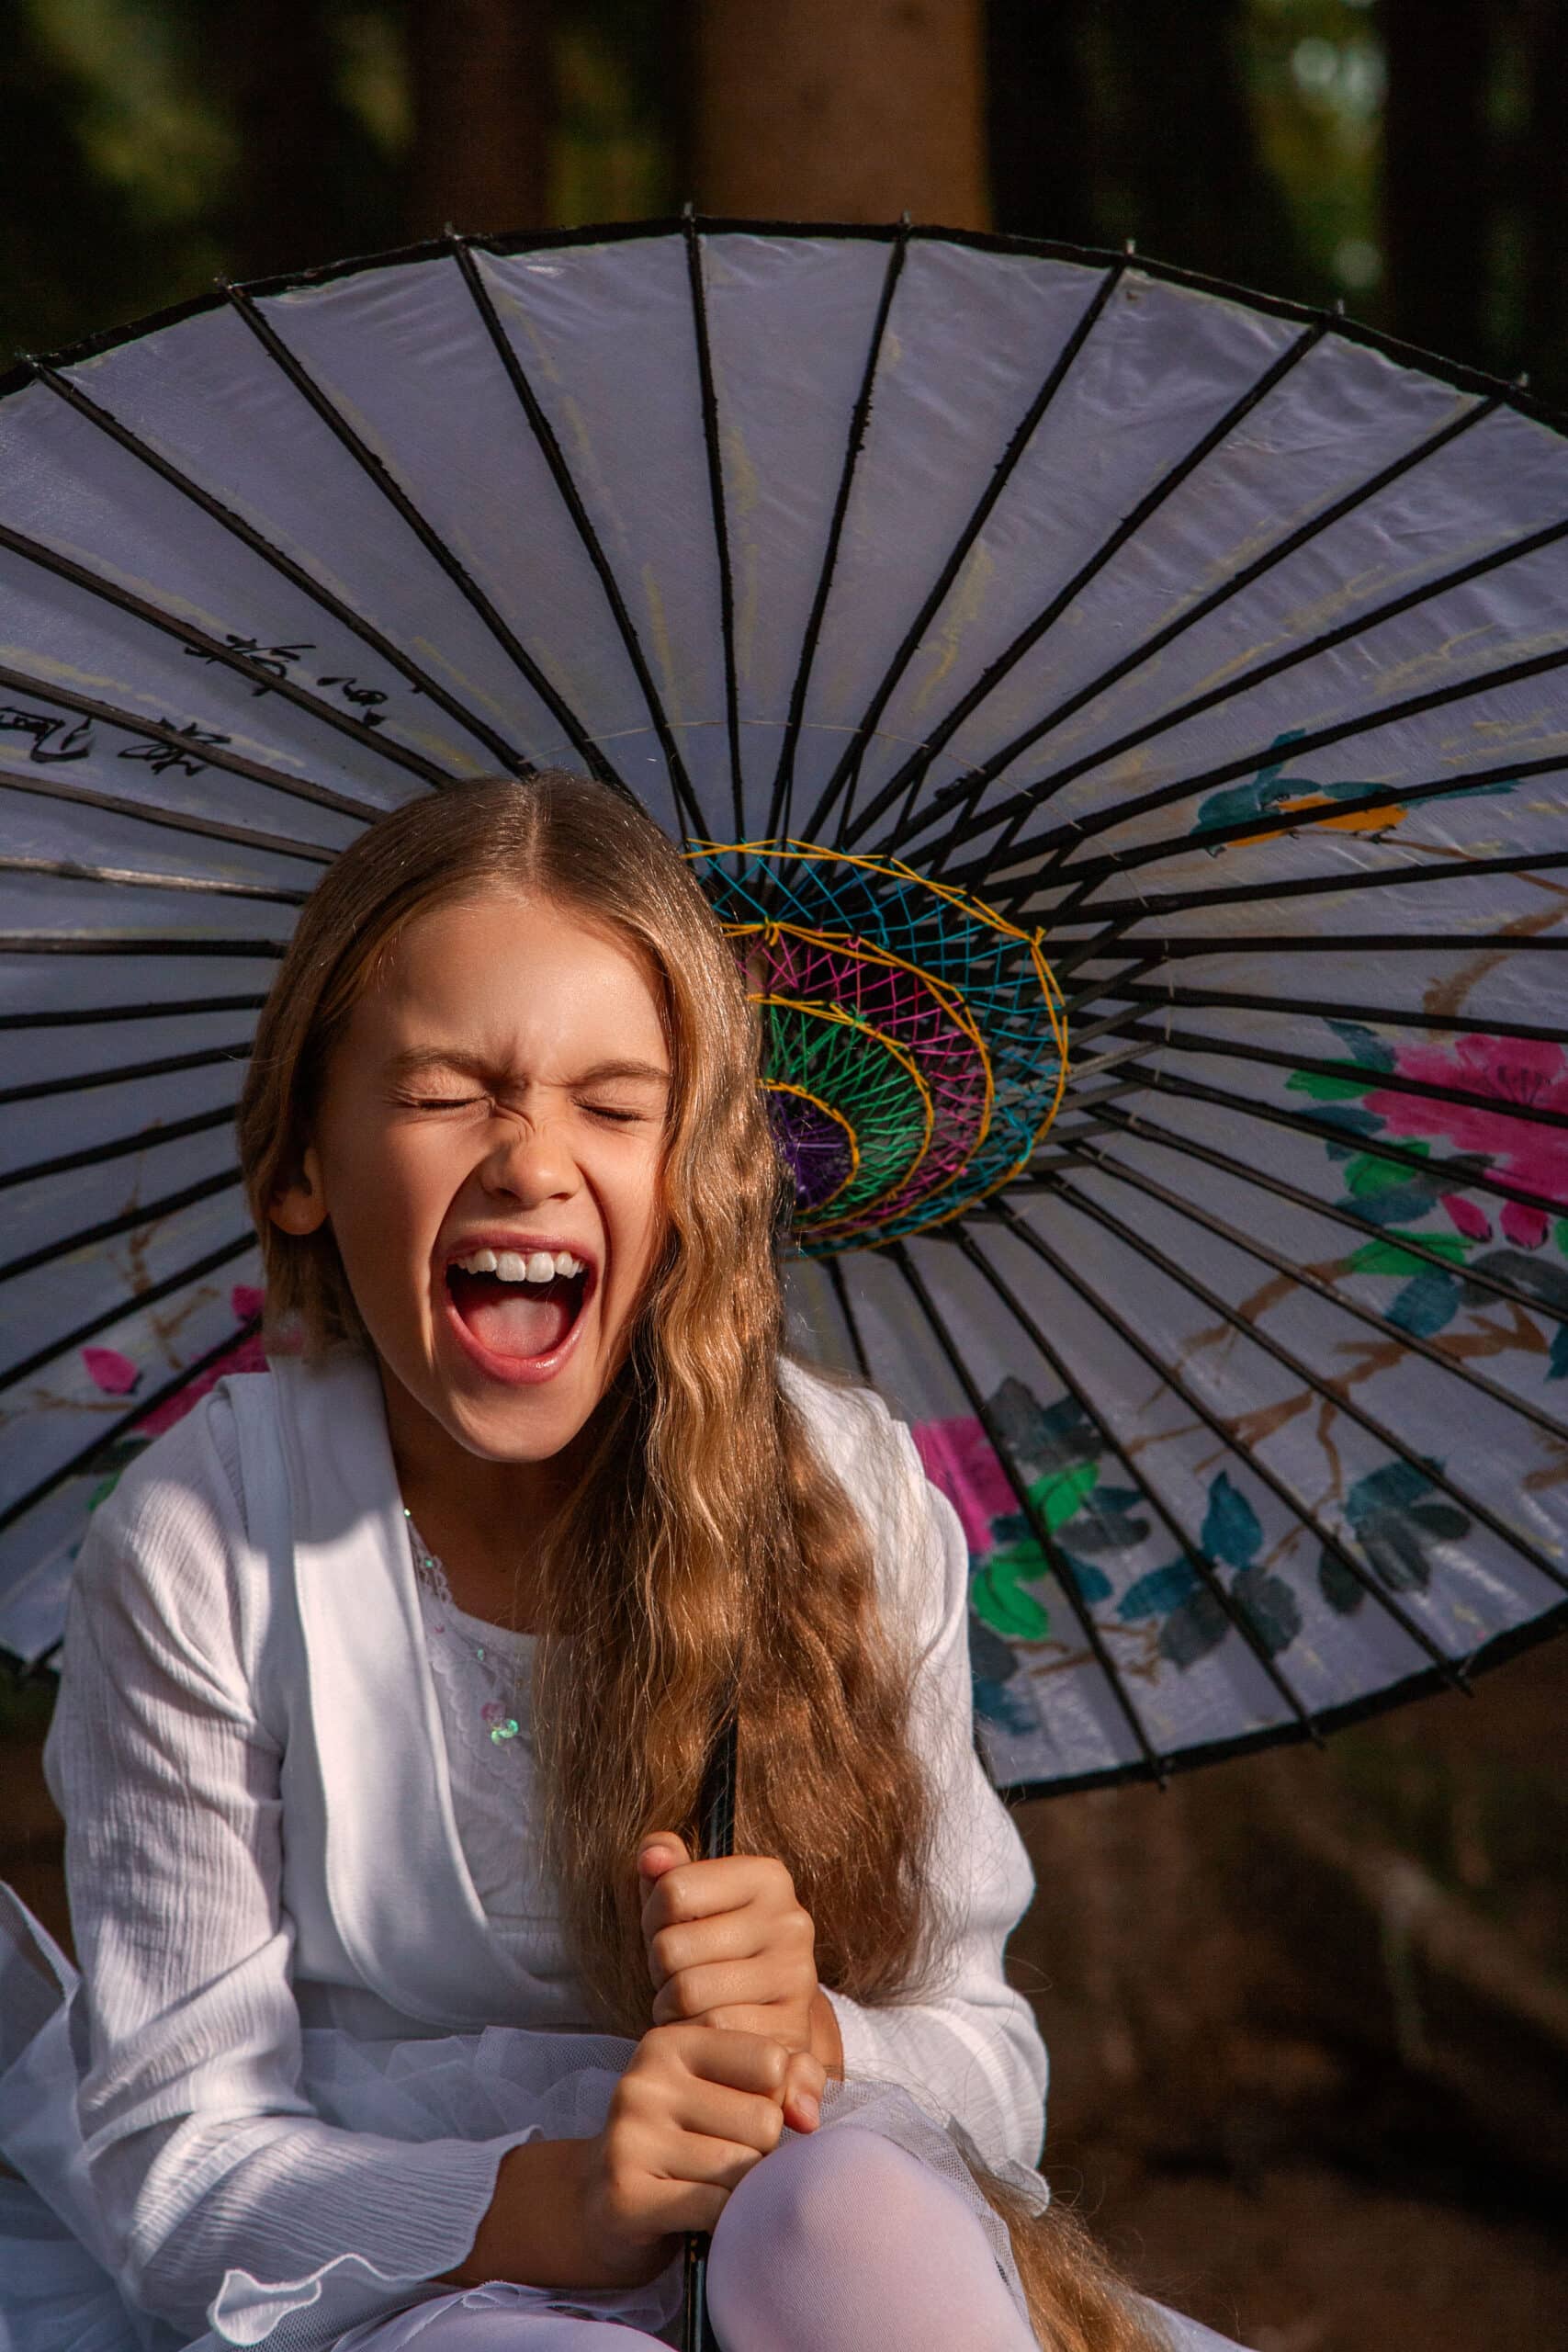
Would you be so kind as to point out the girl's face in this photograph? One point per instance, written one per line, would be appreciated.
(504, 1089)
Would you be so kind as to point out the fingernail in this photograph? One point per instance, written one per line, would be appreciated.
(809, 2104)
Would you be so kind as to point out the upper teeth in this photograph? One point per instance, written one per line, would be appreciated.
(538, 1266)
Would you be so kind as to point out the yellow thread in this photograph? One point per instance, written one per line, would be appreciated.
(812, 853)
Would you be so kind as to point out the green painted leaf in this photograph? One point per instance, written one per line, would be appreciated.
(1006, 1608)
(1385, 1257)
(1324, 1089)
(1366, 1174)
(1057, 1495)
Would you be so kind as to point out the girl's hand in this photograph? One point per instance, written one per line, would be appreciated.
(729, 1945)
(695, 2110)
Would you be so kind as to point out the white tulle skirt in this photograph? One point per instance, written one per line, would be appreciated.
(58, 2293)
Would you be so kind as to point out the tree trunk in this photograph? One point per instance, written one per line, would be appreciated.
(1437, 173)
(481, 74)
(807, 109)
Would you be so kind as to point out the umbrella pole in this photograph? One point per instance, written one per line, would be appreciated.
(715, 1813)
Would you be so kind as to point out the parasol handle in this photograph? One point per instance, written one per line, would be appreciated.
(715, 1828)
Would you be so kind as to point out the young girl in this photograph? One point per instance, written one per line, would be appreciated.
(407, 2013)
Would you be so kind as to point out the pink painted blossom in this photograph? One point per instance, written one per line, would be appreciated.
(958, 1458)
(1525, 1229)
(1523, 1075)
(111, 1371)
(1467, 1217)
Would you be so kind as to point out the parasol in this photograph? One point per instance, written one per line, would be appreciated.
(1122, 723)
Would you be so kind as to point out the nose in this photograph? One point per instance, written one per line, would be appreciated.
(531, 1162)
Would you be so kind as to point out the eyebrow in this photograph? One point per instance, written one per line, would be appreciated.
(417, 1058)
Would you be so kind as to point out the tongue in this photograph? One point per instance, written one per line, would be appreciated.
(515, 1319)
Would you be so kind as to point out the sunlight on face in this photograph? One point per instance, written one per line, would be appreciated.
(505, 1085)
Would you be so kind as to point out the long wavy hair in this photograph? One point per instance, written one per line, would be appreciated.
(707, 1556)
(705, 1528)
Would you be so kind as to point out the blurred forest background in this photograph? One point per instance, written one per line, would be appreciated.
(1308, 2013)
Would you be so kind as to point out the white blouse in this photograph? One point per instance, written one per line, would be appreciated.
(483, 1687)
(204, 2155)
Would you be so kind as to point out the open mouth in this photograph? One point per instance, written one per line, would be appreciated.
(518, 1319)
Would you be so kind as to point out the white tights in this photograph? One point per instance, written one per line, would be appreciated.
(838, 2242)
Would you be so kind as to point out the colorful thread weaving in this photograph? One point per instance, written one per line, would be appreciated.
(916, 1041)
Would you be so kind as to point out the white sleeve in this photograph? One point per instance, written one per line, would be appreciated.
(203, 2154)
(972, 2049)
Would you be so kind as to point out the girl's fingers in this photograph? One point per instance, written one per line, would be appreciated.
(727, 1935)
(803, 2086)
(737, 2061)
(696, 1890)
(664, 1851)
(716, 2163)
(727, 1986)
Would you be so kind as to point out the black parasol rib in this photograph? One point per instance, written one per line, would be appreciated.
(1390, 1082)
(1191, 1550)
(128, 1221)
(1086, 872)
(75, 1016)
(1301, 1512)
(1337, 1392)
(128, 876)
(118, 1148)
(215, 755)
(780, 805)
(1135, 1125)
(1317, 885)
(325, 599)
(720, 519)
(1457, 1172)
(171, 820)
(123, 1309)
(851, 1321)
(213, 648)
(1059, 841)
(1357, 630)
(583, 523)
(1168, 946)
(841, 781)
(87, 1455)
(966, 789)
(131, 943)
(1305, 1278)
(80, 1082)
(1154, 1763)
(906, 779)
(1319, 1008)
(380, 474)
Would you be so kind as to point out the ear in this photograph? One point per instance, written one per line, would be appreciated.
(301, 1208)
